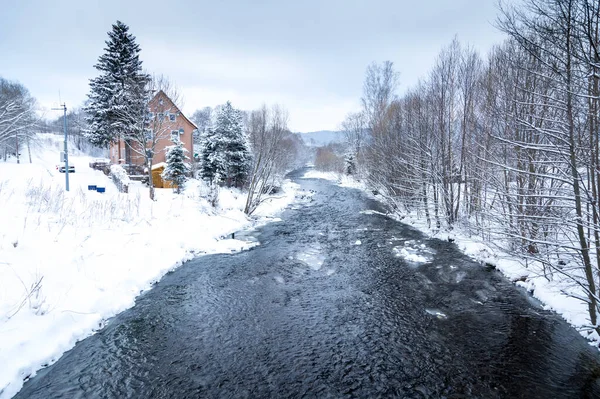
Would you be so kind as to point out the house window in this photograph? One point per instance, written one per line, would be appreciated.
(172, 117)
(161, 117)
(181, 131)
(174, 135)
(148, 134)
(150, 116)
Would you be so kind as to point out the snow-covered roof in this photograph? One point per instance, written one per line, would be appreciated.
(159, 165)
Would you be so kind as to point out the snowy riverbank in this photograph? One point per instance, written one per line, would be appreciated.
(558, 295)
(69, 261)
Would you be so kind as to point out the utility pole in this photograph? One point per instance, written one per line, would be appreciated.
(64, 109)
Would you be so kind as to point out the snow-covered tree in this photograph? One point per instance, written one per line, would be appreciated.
(350, 167)
(176, 170)
(354, 128)
(231, 142)
(202, 119)
(118, 96)
(17, 116)
(225, 155)
(209, 157)
(272, 152)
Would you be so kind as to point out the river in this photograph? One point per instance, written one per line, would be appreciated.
(325, 308)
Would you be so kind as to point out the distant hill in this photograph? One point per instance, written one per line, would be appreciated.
(322, 137)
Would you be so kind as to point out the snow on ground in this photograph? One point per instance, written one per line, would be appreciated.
(71, 260)
(317, 174)
(556, 295)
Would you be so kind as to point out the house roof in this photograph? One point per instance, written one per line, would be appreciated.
(175, 105)
(159, 165)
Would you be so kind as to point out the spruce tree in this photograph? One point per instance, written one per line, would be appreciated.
(118, 97)
(176, 169)
(208, 161)
(232, 155)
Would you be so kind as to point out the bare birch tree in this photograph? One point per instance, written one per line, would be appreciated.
(17, 116)
(267, 130)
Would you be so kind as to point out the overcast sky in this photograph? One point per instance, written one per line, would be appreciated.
(308, 55)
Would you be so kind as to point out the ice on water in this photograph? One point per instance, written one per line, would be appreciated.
(460, 276)
(415, 252)
(437, 313)
(372, 212)
(312, 256)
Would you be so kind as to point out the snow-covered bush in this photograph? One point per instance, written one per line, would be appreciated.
(120, 177)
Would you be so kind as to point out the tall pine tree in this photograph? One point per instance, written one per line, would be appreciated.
(176, 170)
(118, 97)
(231, 155)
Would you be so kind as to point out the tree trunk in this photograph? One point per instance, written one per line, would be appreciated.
(150, 181)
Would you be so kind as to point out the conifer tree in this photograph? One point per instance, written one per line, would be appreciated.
(231, 155)
(225, 154)
(177, 168)
(118, 97)
(208, 156)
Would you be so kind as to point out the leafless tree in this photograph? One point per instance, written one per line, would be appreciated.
(509, 146)
(17, 116)
(558, 36)
(379, 89)
(202, 118)
(267, 131)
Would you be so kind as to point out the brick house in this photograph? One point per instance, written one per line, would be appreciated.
(166, 122)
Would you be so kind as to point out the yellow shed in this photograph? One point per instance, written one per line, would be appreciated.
(157, 179)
